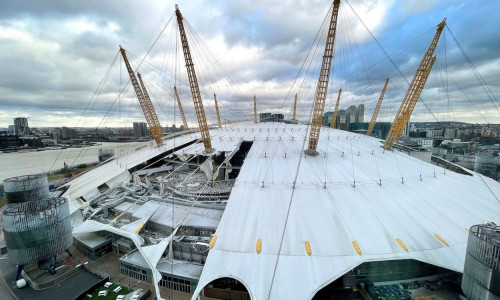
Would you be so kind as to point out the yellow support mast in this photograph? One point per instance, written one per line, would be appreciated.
(322, 87)
(294, 116)
(156, 129)
(179, 104)
(336, 111)
(193, 83)
(145, 103)
(377, 109)
(217, 111)
(417, 85)
(254, 109)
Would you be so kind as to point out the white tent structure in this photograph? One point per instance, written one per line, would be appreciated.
(318, 217)
(314, 218)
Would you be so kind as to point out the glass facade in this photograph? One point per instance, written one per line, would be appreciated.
(177, 284)
(167, 280)
(96, 252)
(136, 272)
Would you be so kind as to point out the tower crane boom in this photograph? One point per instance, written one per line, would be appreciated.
(179, 104)
(145, 103)
(193, 83)
(377, 109)
(322, 86)
(417, 85)
(336, 111)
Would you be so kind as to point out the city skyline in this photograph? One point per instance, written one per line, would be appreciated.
(57, 54)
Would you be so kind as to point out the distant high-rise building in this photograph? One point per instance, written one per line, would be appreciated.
(268, 117)
(360, 114)
(265, 117)
(12, 129)
(140, 129)
(64, 133)
(345, 117)
(21, 126)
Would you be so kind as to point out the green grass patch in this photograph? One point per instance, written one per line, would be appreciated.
(60, 175)
(3, 200)
(111, 295)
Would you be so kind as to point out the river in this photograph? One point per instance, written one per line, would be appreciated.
(25, 163)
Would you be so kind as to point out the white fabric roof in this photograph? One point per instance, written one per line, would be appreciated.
(337, 199)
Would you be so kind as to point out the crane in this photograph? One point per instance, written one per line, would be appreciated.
(217, 111)
(294, 116)
(145, 103)
(193, 83)
(414, 91)
(334, 117)
(377, 109)
(322, 87)
(254, 110)
(184, 122)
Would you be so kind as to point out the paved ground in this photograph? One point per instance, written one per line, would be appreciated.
(67, 289)
(5, 292)
(111, 265)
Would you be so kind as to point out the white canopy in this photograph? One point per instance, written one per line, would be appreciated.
(353, 196)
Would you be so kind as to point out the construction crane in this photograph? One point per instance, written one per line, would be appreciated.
(417, 85)
(145, 103)
(217, 111)
(193, 83)
(254, 110)
(322, 87)
(377, 109)
(184, 122)
(294, 116)
(335, 112)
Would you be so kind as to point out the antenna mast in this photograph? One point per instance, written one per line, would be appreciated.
(254, 110)
(377, 109)
(184, 122)
(193, 82)
(294, 116)
(322, 87)
(334, 117)
(217, 111)
(417, 85)
(145, 103)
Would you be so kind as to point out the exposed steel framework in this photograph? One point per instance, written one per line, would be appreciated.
(336, 111)
(179, 104)
(294, 116)
(193, 83)
(145, 103)
(377, 109)
(254, 109)
(217, 111)
(417, 85)
(322, 87)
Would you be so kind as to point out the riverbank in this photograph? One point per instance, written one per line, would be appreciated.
(19, 163)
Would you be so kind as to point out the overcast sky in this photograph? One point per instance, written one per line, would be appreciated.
(55, 53)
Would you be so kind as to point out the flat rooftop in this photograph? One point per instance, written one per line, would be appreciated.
(90, 239)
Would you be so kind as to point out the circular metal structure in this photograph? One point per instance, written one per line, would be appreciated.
(37, 230)
(481, 278)
(26, 188)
